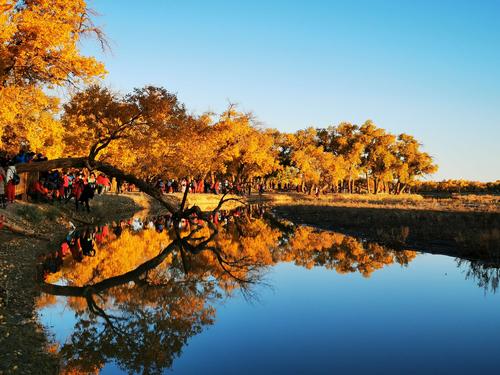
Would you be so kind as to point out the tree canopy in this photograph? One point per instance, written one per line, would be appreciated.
(150, 133)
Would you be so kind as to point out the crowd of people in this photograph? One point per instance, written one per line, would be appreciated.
(57, 185)
(197, 186)
(8, 172)
(69, 184)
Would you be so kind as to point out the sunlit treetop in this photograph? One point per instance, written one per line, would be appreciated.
(39, 42)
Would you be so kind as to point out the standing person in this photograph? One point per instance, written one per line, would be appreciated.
(91, 180)
(86, 195)
(118, 186)
(100, 184)
(11, 177)
(75, 247)
(107, 184)
(114, 186)
(65, 185)
(3, 177)
(87, 243)
(77, 189)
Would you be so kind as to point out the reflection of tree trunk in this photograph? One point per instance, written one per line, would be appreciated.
(81, 291)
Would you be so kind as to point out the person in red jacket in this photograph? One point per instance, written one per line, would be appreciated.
(38, 192)
(76, 190)
(100, 184)
(66, 185)
(10, 182)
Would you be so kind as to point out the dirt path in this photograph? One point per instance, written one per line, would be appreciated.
(22, 340)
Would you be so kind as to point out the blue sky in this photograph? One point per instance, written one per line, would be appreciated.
(428, 68)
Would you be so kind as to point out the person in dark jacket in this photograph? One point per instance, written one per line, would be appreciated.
(87, 194)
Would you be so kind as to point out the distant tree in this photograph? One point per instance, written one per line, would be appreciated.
(411, 163)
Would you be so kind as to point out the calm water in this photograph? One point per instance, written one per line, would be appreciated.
(424, 317)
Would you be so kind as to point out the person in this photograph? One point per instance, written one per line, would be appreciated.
(161, 185)
(65, 185)
(114, 186)
(54, 262)
(105, 231)
(117, 229)
(39, 157)
(11, 175)
(98, 236)
(100, 184)
(74, 247)
(87, 194)
(64, 250)
(76, 191)
(21, 157)
(38, 192)
(119, 183)
(3, 177)
(107, 184)
(87, 243)
(137, 225)
(92, 180)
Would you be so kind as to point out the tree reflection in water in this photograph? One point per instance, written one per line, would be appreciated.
(142, 318)
(485, 273)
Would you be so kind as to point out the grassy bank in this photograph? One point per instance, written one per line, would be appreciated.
(462, 203)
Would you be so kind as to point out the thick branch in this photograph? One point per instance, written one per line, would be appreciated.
(106, 168)
(82, 291)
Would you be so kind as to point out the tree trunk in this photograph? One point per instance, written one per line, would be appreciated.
(106, 168)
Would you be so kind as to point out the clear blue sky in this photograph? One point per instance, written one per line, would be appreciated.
(428, 68)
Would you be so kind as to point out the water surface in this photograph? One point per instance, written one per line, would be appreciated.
(324, 303)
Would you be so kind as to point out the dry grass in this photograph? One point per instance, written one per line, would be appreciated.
(462, 203)
(207, 202)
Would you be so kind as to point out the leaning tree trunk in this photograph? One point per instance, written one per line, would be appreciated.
(106, 168)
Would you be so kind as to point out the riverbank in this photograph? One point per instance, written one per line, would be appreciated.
(456, 203)
(23, 342)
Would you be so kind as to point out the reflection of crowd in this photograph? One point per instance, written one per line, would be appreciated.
(198, 186)
(82, 243)
(223, 186)
(78, 243)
